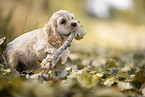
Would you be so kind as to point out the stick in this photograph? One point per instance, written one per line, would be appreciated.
(66, 44)
(80, 31)
(56, 57)
(51, 61)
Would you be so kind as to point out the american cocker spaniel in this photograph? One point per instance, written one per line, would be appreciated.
(24, 51)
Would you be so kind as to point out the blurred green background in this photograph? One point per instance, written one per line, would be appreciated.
(115, 24)
(114, 47)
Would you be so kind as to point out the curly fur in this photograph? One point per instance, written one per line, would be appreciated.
(23, 52)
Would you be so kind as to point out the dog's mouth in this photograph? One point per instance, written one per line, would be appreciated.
(66, 34)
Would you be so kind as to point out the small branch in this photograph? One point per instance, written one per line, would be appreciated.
(56, 56)
(67, 43)
(50, 61)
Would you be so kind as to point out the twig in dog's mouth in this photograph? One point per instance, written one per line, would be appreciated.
(66, 44)
(57, 55)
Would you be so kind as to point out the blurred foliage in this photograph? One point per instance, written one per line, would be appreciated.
(5, 26)
(138, 11)
(109, 61)
(114, 78)
(20, 16)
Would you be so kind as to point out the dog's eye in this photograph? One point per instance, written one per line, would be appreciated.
(63, 22)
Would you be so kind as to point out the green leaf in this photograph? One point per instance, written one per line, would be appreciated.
(124, 86)
(10, 86)
(123, 76)
(111, 63)
(107, 92)
(140, 75)
(110, 80)
(88, 80)
(35, 88)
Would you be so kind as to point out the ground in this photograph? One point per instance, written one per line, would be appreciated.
(109, 61)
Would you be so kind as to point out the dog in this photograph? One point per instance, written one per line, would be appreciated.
(25, 51)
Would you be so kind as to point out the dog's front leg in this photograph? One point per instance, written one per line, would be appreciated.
(47, 61)
(45, 66)
(45, 53)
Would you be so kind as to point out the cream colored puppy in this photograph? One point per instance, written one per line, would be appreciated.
(24, 51)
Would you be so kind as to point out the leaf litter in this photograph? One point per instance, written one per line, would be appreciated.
(120, 76)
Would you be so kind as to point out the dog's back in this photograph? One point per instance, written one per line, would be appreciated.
(21, 51)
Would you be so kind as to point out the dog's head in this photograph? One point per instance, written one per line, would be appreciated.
(59, 27)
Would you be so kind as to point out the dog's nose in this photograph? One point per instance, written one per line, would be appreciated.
(74, 24)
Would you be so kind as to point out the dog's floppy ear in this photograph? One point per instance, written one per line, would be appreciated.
(54, 38)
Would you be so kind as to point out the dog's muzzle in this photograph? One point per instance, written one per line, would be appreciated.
(67, 34)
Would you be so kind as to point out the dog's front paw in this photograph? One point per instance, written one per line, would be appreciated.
(47, 62)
